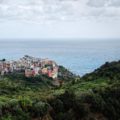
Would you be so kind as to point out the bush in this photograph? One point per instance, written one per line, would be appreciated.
(80, 109)
(25, 103)
(7, 117)
(57, 105)
(40, 109)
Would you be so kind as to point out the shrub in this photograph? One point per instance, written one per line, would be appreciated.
(25, 103)
(40, 109)
(68, 99)
(57, 105)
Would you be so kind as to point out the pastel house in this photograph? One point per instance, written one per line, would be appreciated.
(30, 66)
(29, 73)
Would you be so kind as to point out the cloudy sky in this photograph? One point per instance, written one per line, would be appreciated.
(51, 19)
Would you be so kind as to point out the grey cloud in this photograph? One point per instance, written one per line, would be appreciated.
(96, 3)
(104, 8)
(115, 3)
(41, 10)
(104, 3)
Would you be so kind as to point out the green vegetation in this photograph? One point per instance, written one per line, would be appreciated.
(95, 96)
(65, 74)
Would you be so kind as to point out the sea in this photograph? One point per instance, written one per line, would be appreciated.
(79, 56)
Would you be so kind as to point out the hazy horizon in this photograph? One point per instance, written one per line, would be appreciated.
(60, 39)
(78, 56)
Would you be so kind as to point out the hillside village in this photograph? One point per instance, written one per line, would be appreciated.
(31, 67)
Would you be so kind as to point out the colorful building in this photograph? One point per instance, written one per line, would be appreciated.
(32, 66)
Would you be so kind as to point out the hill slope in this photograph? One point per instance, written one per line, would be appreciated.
(108, 70)
(95, 96)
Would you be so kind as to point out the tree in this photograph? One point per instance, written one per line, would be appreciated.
(3, 60)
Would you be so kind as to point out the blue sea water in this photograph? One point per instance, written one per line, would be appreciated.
(78, 56)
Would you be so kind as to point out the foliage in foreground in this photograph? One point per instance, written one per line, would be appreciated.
(95, 96)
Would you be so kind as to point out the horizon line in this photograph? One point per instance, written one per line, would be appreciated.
(56, 39)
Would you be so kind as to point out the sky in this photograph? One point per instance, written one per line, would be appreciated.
(59, 19)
